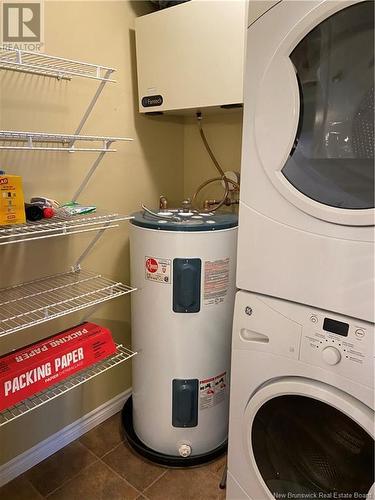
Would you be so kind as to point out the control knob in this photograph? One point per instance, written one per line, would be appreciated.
(331, 355)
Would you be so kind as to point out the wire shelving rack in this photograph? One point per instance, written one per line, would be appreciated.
(61, 68)
(122, 354)
(35, 302)
(60, 225)
(52, 66)
(42, 141)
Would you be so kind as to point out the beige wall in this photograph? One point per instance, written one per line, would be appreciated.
(166, 157)
(99, 32)
(224, 134)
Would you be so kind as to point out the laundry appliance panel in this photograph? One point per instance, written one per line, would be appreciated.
(302, 402)
(306, 229)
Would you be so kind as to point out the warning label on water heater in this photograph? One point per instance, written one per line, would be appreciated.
(212, 391)
(158, 270)
(216, 281)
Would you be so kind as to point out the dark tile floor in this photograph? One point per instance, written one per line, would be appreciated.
(101, 466)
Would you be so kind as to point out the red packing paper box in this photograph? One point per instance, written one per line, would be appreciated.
(36, 367)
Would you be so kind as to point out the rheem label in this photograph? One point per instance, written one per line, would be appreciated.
(158, 270)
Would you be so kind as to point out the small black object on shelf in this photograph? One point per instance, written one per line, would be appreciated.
(33, 212)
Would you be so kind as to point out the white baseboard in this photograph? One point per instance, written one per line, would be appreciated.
(54, 443)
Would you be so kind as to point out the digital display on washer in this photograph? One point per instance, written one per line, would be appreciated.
(338, 327)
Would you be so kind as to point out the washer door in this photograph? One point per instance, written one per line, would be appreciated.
(306, 439)
(321, 121)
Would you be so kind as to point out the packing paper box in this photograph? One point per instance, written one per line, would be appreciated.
(32, 369)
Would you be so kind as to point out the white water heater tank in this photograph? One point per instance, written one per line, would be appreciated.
(183, 266)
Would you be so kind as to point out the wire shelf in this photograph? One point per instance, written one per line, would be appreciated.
(29, 304)
(59, 225)
(41, 398)
(52, 66)
(42, 141)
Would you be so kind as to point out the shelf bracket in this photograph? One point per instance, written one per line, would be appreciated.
(90, 174)
(80, 127)
(99, 234)
(92, 104)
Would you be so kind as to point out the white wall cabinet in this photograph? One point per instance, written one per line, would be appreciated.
(191, 56)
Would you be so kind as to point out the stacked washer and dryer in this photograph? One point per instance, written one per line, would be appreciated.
(302, 381)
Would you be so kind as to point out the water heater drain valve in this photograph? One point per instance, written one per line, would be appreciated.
(184, 450)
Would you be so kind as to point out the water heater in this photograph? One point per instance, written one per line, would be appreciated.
(183, 265)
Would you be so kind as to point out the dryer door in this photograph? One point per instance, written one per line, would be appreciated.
(315, 136)
(306, 439)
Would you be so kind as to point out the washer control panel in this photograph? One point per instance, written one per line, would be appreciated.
(344, 346)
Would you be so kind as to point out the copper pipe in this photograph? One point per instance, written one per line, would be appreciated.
(218, 167)
(163, 203)
(214, 160)
(210, 181)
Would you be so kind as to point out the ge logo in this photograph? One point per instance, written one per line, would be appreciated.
(22, 22)
(248, 310)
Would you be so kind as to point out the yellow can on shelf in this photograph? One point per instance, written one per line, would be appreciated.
(12, 204)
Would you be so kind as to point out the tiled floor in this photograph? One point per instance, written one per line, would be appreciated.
(101, 466)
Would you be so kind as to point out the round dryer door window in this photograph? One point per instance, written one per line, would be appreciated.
(305, 448)
(332, 161)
